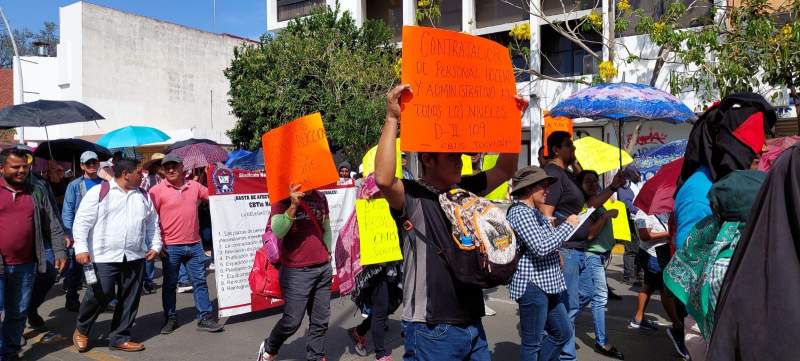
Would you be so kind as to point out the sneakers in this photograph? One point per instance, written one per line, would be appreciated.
(385, 358)
(644, 324)
(185, 287)
(209, 325)
(611, 351)
(263, 355)
(149, 288)
(676, 336)
(112, 306)
(169, 326)
(359, 342)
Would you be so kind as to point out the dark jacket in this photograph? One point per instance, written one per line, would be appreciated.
(47, 225)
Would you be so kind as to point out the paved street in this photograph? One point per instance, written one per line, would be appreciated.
(243, 334)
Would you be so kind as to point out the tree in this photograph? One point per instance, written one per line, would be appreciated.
(322, 62)
(25, 39)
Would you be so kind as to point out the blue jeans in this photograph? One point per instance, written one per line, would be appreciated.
(44, 282)
(16, 287)
(193, 257)
(595, 291)
(433, 342)
(149, 271)
(574, 269)
(183, 275)
(539, 311)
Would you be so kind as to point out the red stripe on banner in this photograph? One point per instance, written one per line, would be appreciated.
(236, 306)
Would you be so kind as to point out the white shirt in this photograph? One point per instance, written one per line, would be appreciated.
(123, 226)
(646, 221)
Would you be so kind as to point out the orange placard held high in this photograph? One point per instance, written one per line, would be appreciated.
(297, 152)
(552, 124)
(462, 97)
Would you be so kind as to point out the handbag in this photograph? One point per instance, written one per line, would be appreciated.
(264, 277)
(271, 245)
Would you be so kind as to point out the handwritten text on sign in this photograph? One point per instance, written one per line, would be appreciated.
(463, 94)
(377, 231)
(298, 152)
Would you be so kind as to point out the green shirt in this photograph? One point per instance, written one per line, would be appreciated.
(603, 241)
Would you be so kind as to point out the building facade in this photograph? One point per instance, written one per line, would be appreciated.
(134, 70)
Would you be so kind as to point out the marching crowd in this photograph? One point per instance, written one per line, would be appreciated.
(117, 218)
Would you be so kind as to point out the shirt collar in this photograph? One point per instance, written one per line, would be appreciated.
(182, 187)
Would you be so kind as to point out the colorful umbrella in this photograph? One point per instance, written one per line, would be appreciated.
(774, 148)
(656, 196)
(186, 142)
(651, 161)
(623, 102)
(132, 136)
(200, 155)
(599, 156)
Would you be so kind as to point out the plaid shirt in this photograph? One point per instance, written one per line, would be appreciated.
(540, 263)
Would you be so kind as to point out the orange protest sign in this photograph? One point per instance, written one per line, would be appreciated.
(462, 97)
(297, 152)
(552, 124)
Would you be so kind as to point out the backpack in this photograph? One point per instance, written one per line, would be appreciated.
(484, 251)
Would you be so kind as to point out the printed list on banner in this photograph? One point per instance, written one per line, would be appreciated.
(298, 153)
(462, 94)
(377, 230)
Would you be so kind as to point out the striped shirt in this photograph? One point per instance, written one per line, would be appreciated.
(540, 241)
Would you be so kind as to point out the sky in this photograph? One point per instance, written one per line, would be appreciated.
(246, 18)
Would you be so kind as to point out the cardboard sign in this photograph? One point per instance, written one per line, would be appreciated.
(619, 224)
(553, 124)
(377, 230)
(298, 152)
(462, 97)
(500, 193)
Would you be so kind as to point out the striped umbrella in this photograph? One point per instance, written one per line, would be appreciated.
(200, 155)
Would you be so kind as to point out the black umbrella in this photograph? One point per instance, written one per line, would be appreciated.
(186, 142)
(42, 113)
(67, 150)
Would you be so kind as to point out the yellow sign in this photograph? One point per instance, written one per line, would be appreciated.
(619, 224)
(501, 192)
(377, 232)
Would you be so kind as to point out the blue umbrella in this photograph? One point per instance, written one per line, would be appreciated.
(623, 102)
(132, 136)
(652, 160)
(252, 161)
(234, 155)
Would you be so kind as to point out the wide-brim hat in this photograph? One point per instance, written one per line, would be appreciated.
(529, 176)
(154, 159)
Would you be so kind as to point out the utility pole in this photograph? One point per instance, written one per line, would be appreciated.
(18, 67)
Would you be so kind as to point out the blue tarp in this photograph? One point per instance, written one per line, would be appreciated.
(249, 161)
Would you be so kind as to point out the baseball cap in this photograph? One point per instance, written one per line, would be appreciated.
(87, 156)
(171, 158)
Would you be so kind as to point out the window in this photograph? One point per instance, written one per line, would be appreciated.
(390, 11)
(451, 15)
(497, 12)
(699, 14)
(557, 7)
(290, 9)
(517, 60)
(560, 57)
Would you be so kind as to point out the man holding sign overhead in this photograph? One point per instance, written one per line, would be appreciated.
(433, 301)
